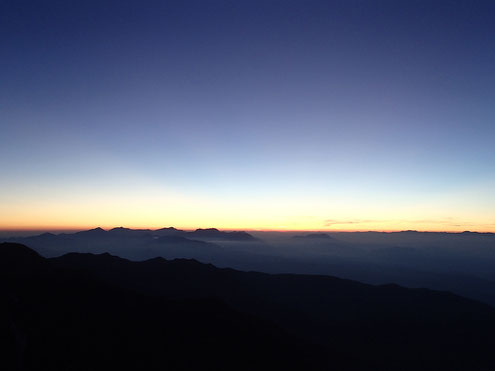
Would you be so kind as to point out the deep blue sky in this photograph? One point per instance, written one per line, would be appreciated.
(255, 114)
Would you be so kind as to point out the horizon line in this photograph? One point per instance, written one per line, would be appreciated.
(107, 228)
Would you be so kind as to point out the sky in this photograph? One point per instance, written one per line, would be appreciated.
(274, 114)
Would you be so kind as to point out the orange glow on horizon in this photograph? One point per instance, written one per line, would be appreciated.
(154, 207)
(62, 229)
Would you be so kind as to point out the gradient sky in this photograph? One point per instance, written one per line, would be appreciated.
(339, 115)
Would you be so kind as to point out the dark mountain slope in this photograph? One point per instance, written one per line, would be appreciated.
(87, 311)
(386, 327)
(56, 318)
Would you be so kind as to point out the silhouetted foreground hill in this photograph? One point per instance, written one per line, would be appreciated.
(84, 311)
(54, 317)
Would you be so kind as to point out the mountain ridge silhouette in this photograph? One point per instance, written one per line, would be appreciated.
(296, 321)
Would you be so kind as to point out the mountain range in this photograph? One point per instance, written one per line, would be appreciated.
(98, 311)
(463, 263)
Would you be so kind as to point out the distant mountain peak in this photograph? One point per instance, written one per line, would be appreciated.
(120, 229)
(47, 234)
(97, 230)
(168, 231)
(319, 236)
(214, 233)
